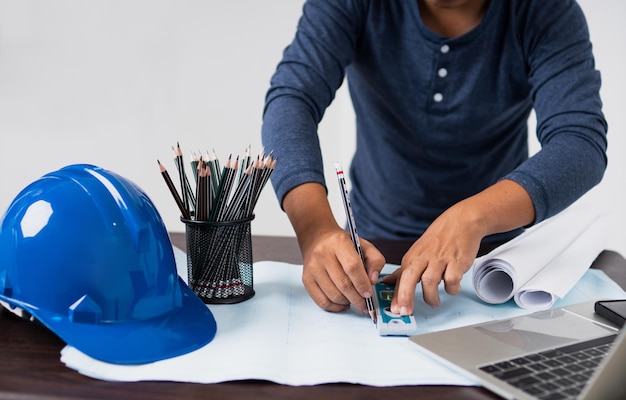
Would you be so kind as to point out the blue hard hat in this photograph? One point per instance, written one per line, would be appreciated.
(85, 251)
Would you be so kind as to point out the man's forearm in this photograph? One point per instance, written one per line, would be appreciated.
(501, 207)
(309, 212)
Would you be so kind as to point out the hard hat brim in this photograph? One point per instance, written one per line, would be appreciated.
(181, 331)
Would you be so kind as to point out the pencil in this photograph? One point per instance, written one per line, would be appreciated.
(215, 174)
(183, 210)
(353, 232)
(226, 182)
(195, 161)
(185, 187)
(202, 203)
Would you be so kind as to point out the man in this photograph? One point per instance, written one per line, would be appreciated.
(442, 91)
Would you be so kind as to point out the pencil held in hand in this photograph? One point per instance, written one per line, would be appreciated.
(345, 196)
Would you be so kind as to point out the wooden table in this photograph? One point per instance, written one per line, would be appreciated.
(30, 367)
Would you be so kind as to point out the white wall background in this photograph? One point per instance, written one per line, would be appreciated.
(117, 83)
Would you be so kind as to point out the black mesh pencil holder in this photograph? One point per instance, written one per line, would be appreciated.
(219, 260)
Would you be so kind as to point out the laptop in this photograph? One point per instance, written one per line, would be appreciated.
(568, 352)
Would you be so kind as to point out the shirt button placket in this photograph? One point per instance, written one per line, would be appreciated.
(441, 73)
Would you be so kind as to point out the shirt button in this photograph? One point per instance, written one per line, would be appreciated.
(438, 97)
(442, 72)
(444, 49)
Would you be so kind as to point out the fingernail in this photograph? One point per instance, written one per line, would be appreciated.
(366, 295)
(404, 311)
(374, 276)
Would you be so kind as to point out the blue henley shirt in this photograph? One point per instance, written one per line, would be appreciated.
(440, 119)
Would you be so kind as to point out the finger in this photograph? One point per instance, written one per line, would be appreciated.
(352, 279)
(392, 278)
(343, 280)
(404, 294)
(452, 278)
(431, 278)
(322, 297)
(374, 261)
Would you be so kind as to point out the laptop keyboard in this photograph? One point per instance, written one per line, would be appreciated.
(553, 374)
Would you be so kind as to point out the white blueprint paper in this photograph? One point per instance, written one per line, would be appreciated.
(543, 263)
(280, 335)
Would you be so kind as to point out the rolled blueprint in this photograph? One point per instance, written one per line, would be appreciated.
(543, 263)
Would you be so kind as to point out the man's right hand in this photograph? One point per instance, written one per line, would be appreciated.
(333, 273)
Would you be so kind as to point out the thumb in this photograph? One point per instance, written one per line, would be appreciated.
(393, 277)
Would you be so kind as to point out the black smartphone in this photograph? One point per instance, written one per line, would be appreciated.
(613, 310)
